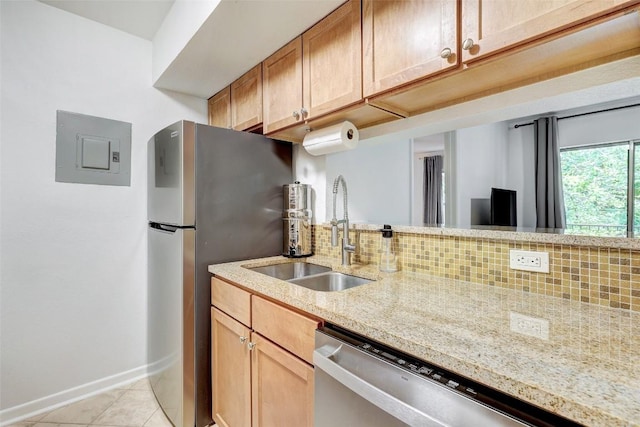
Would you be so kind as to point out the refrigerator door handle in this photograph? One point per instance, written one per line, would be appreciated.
(163, 227)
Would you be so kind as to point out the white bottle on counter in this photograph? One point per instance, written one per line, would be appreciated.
(388, 262)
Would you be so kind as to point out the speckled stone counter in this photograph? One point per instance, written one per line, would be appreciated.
(550, 236)
(588, 370)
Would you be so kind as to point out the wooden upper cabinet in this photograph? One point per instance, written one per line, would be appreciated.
(246, 99)
(317, 73)
(239, 106)
(220, 109)
(332, 61)
(406, 40)
(490, 26)
(282, 86)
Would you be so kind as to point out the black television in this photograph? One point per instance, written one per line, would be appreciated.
(503, 207)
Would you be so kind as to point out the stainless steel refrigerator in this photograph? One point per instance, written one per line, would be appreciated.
(214, 195)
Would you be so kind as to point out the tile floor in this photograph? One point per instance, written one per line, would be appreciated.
(133, 405)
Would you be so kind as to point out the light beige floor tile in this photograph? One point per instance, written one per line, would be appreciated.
(158, 419)
(142, 384)
(134, 408)
(84, 411)
(58, 425)
(37, 417)
(21, 424)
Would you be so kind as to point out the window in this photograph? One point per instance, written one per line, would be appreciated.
(601, 190)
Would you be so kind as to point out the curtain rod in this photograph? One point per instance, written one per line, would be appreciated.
(582, 114)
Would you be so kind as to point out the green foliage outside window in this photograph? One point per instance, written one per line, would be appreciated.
(595, 189)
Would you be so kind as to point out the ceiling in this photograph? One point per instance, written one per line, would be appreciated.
(141, 18)
(236, 36)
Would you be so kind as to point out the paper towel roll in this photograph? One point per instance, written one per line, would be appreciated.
(332, 139)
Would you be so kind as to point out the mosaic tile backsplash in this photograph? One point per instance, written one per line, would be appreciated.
(596, 275)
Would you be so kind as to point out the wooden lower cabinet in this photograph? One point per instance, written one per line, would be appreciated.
(282, 386)
(231, 368)
(259, 379)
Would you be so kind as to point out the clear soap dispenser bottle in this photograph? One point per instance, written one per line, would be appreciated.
(388, 262)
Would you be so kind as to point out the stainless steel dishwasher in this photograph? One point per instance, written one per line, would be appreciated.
(362, 383)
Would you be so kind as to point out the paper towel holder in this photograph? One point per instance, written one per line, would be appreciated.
(339, 137)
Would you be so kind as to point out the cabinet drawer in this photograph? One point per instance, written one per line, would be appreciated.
(292, 331)
(232, 300)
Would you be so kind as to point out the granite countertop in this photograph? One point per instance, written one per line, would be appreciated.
(588, 370)
(544, 236)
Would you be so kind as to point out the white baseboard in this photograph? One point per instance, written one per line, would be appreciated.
(48, 403)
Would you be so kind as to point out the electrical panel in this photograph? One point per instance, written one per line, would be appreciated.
(92, 150)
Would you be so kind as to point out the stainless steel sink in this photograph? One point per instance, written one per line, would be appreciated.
(311, 276)
(291, 270)
(330, 282)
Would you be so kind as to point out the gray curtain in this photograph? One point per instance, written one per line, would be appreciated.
(433, 190)
(549, 198)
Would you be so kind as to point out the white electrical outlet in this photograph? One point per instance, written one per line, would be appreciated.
(529, 261)
(527, 325)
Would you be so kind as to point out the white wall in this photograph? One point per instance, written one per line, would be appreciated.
(378, 180)
(311, 170)
(480, 164)
(611, 126)
(382, 177)
(378, 177)
(73, 266)
(181, 23)
(521, 174)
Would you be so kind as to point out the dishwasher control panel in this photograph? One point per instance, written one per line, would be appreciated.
(419, 369)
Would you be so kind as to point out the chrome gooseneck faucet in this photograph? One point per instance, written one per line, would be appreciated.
(347, 247)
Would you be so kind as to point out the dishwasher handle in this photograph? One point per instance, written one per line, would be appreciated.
(323, 359)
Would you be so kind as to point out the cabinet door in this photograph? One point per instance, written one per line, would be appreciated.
(246, 99)
(231, 371)
(332, 61)
(406, 40)
(282, 386)
(495, 25)
(220, 109)
(282, 87)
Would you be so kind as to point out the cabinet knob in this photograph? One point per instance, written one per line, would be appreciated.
(467, 44)
(296, 115)
(243, 339)
(304, 112)
(251, 345)
(445, 53)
